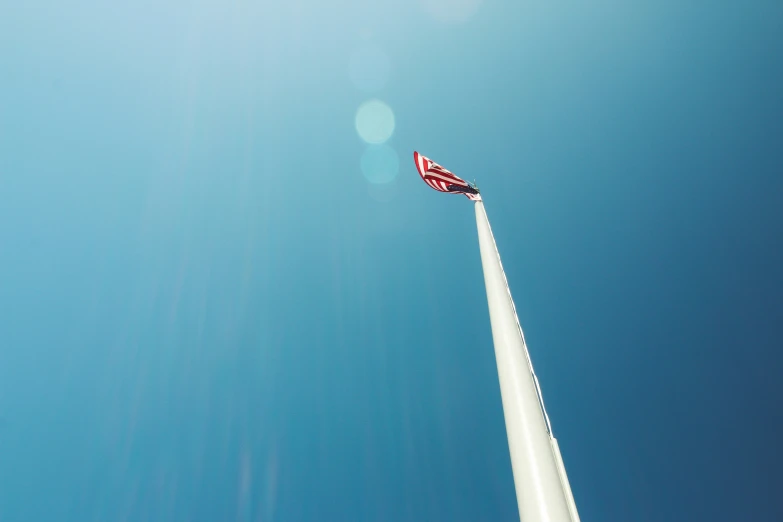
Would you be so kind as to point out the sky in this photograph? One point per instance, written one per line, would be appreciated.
(226, 295)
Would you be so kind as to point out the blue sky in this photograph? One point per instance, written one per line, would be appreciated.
(209, 312)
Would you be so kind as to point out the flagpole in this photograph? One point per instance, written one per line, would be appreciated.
(540, 480)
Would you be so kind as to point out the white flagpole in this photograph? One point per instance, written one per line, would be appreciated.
(543, 491)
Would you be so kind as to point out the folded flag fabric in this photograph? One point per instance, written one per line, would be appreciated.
(442, 180)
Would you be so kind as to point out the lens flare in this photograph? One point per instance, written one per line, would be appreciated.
(380, 164)
(375, 122)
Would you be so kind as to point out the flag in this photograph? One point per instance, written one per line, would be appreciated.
(442, 180)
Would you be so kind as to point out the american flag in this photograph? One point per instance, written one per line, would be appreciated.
(442, 180)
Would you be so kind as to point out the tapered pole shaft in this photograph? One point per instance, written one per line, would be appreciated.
(543, 493)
